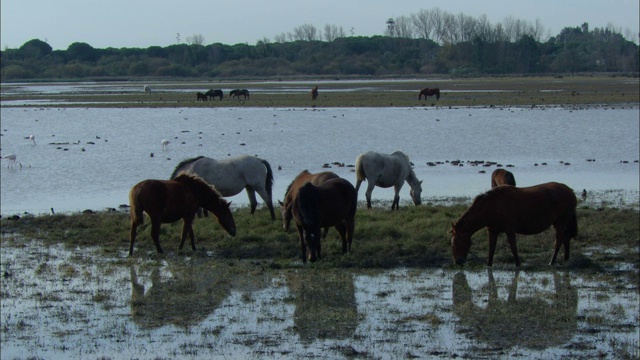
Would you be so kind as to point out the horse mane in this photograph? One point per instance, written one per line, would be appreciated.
(197, 183)
(293, 181)
(477, 203)
(178, 168)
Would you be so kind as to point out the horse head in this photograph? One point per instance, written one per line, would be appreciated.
(460, 242)
(312, 239)
(416, 192)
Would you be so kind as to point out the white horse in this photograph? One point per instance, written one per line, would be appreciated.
(12, 160)
(165, 144)
(386, 171)
(147, 89)
(230, 176)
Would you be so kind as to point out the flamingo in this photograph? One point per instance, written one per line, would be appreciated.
(165, 144)
(12, 160)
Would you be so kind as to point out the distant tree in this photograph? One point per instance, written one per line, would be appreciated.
(196, 39)
(81, 51)
(306, 32)
(34, 49)
(332, 32)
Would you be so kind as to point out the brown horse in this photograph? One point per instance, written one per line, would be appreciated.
(429, 92)
(292, 192)
(314, 93)
(502, 177)
(332, 203)
(201, 96)
(526, 211)
(167, 201)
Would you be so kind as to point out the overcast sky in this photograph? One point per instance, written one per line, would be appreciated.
(144, 23)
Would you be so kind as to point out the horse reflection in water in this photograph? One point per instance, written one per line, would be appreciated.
(184, 299)
(326, 306)
(537, 321)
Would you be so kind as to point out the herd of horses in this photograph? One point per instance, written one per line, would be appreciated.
(212, 94)
(324, 200)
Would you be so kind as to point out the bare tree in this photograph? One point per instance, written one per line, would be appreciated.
(281, 38)
(196, 39)
(422, 24)
(306, 32)
(332, 32)
(403, 27)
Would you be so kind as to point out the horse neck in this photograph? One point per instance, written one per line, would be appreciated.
(475, 218)
(412, 180)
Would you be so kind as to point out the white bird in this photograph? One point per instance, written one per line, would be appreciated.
(12, 160)
(32, 138)
(165, 144)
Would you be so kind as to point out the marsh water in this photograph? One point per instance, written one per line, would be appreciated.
(89, 158)
(80, 304)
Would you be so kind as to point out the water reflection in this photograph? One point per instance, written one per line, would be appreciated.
(184, 299)
(538, 321)
(325, 304)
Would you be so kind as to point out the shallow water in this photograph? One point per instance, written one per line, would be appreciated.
(90, 158)
(80, 304)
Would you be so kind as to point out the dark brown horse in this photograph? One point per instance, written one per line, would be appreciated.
(213, 94)
(239, 92)
(429, 92)
(513, 210)
(502, 177)
(167, 201)
(201, 96)
(292, 192)
(332, 203)
(314, 93)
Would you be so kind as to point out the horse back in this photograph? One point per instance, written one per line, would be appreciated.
(328, 204)
(166, 200)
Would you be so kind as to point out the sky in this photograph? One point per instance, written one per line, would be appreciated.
(144, 23)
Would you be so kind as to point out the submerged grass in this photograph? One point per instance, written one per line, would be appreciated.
(411, 237)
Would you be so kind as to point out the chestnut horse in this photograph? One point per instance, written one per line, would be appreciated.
(429, 92)
(332, 203)
(314, 93)
(167, 201)
(513, 210)
(502, 177)
(292, 192)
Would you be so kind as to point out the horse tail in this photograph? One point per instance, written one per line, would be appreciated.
(135, 208)
(269, 180)
(360, 175)
(182, 164)
(571, 229)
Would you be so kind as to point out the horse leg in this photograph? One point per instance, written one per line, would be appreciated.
(561, 239)
(342, 231)
(511, 238)
(132, 236)
(187, 230)
(303, 248)
(370, 187)
(252, 199)
(493, 239)
(155, 234)
(396, 198)
(267, 200)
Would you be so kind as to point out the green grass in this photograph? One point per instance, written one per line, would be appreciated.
(411, 237)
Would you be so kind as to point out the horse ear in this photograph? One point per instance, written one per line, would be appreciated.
(420, 182)
(229, 204)
(280, 202)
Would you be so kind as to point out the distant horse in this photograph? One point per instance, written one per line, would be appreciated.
(147, 89)
(239, 92)
(212, 94)
(386, 171)
(230, 176)
(314, 93)
(165, 144)
(502, 177)
(292, 192)
(513, 210)
(167, 201)
(201, 96)
(332, 203)
(429, 92)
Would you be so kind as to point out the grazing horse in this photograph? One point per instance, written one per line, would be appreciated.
(230, 176)
(201, 96)
(292, 192)
(213, 94)
(147, 89)
(513, 210)
(167, 201)
(429, 92)
(386, 171)
(314, 93)
(332, 203)
(502, 177)
(239, 92)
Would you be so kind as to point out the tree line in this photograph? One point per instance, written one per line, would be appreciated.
(424, 43)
